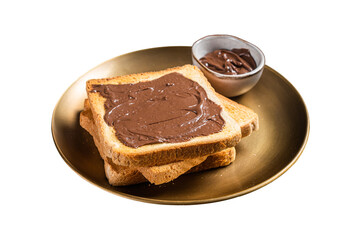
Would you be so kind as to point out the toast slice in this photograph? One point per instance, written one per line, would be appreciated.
(118, 175)
(160, 153)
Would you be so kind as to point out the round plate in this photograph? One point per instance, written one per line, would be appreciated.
(261, 157)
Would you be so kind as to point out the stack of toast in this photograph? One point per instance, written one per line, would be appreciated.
(163, 162)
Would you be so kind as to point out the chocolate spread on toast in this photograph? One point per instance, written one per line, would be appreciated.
(169, 109)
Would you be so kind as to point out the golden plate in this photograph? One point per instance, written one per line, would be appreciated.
(261, 157)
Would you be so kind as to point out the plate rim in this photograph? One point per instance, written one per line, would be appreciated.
(185, 202)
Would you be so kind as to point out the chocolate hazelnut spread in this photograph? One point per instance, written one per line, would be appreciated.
(231, 62)
(169, 109)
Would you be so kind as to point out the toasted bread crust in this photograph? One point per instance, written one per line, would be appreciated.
(117, 177)
(171, 155)
(245, 116)
(216, 160)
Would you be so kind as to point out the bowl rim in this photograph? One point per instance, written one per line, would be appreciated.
(236, 76)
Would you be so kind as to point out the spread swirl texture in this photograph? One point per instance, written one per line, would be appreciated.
(169, 109)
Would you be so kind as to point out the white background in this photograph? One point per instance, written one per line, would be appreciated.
(45, 46)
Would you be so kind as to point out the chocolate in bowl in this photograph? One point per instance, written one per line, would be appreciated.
(230, 62)
(229, 85)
